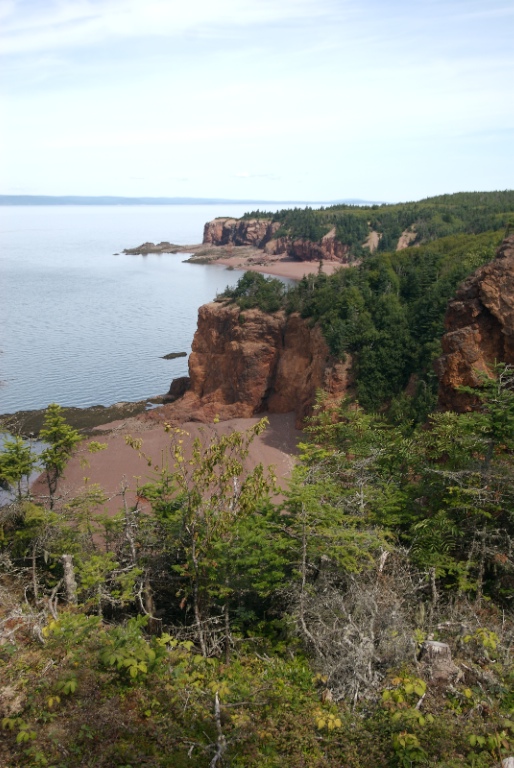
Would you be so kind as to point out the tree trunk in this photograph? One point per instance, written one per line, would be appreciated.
(226, 615)
(196, 602)
(70, 584)
(438, 659)
(34, 576)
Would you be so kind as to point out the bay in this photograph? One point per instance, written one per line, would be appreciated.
(81, 326)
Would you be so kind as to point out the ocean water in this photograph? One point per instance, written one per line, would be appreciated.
(81, 326)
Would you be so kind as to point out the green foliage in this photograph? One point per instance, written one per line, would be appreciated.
(427, 220)
(216, 522)
(125, 649)
(17, 462)
(101, 580)
(388, 314)
(71, 630)
(117, 696)
(255, 290)
(299, 223)
(287, 628)
(61, 439)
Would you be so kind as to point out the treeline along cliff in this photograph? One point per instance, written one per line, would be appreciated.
(345, 232)
(375, 330)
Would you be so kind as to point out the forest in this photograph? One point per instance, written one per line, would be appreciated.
(361, 616)
(425, 221)
(387, 312)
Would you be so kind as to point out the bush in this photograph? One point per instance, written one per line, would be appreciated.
(255, 290)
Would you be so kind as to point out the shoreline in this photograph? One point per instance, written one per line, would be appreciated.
(248, 258)
(86, 420)
(286, 267)
(243, 257)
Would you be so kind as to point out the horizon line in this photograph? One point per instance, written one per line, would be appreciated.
(122, 200)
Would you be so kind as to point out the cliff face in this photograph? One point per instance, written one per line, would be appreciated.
(239, 231)
(328, 249)
(244, 363)
(479, 328)
(259, 232)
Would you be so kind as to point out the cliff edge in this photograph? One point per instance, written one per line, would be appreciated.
(248, 362)
(261, 234)
(479, 326)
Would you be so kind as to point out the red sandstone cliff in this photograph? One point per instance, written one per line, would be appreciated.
(244, 363)
(479, 328)
(260, 232)
(224, 231)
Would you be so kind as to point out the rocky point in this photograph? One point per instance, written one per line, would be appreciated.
(479, 329)
(261, 234)
(248, 362)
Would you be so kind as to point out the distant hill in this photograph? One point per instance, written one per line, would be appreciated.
(357, 201)
(109, 200)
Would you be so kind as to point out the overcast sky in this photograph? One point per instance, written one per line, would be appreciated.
(262, 99)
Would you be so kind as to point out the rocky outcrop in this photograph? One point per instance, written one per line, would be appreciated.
(224, 231)
(479, 328)
(260, 233)
(178, 389)
(243, 363)
(328, 249)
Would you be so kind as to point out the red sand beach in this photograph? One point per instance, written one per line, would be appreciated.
(120, 464)
(290, 268)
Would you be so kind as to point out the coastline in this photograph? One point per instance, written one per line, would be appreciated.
(114, 422)
(246, 257)
(86, 420)
(243, 257)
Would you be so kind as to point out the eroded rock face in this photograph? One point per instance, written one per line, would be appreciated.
(234, 356)
(304, 366)
(259, 232)
(247, 362)
(224, 231)
(329, 249)
(178, 389)
(479, 328)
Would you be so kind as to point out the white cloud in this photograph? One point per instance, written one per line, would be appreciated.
(72, 23)
(96, 91)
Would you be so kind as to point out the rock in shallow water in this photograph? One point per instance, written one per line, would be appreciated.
(173, 355)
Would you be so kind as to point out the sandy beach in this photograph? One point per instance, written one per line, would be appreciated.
(120, 465)
(285, 267)
(244, 257)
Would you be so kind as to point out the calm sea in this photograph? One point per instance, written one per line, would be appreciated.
(81, 326)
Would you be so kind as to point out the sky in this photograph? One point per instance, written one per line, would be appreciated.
(256, 99)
